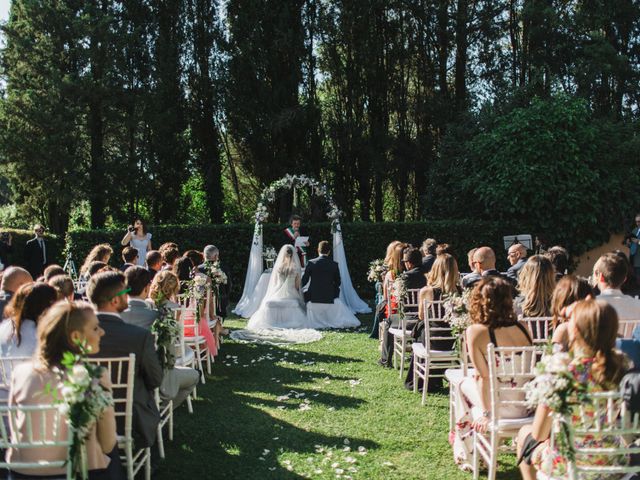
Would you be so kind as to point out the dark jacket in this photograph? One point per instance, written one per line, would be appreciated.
(325, 280)
(34, 258)
(514, 270)
(120, 340)
(427, 263)
(224, 290)
(415, 278)
(5, 250)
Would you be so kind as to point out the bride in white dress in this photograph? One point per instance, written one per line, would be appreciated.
(283, 305)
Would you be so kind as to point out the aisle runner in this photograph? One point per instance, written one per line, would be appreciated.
(277, 336)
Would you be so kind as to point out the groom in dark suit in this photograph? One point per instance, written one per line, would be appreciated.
(324, 275)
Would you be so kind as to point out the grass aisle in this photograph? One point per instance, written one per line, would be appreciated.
(324, 410)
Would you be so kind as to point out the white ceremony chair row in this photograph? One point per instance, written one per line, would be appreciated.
(402, 338)
(540, 328)
(195, 341)
(8, 365)
(516, 364)
(626, 326)
(425, 358)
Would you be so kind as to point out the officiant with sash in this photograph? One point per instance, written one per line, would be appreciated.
(291, 234)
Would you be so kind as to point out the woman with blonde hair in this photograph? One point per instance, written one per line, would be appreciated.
(99, 253)
(592, 328)
(61, 329)
(536, 283)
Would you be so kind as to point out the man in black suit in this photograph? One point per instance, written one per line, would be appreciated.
(5, 249)
(414, 279)
(154, 262)
(517, 256)
(324, 275)
(428, 250)
(129, 257)
(108, 292)
(484, 261)
(35, 253)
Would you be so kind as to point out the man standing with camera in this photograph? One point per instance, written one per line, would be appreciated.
(5, 249)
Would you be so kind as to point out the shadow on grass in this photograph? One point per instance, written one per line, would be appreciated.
(230, 429)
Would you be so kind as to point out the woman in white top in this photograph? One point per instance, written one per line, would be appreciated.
(138, 238)
(18, 331)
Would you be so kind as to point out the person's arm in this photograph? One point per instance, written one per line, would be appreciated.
(150, 364)
(541, 428)
(126, 239)
(476, 345)
(560, 335)
(149, 247)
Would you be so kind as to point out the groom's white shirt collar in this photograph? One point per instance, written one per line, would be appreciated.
(323, 255)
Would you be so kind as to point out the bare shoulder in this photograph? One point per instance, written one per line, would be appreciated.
(476, 332)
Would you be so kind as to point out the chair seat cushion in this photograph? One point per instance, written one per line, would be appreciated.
(398, 332)
(420, 350)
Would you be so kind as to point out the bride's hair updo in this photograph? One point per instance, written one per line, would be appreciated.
(288, 265)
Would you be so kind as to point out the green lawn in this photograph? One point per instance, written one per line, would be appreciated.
(345, 416)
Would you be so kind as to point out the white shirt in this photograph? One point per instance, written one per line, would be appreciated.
(628, 308)
(9, 345)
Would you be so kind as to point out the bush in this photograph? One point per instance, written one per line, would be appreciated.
(55, 247)
(363, 242)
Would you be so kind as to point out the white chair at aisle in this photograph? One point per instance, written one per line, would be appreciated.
(80, 286)
(539, 328)
(606, 416)
(166, 417)
(425, 358)
(402, 338)
(195, 340)
(626, 326)
(7, 365)
(518, 365)
(122, 373)
(187, 356)
(50, 434)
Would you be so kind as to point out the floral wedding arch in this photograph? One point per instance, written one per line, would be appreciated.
(250, 301)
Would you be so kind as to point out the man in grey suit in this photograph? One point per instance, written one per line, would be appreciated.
(107, 291)
(138, 311)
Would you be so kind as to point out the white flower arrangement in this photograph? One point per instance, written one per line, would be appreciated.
(269, 253)
(456, 311)
(377, 270)
(83, 401)
(399, 288)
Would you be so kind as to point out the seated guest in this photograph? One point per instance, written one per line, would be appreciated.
(59, 331)
(18, 336)
(195, 256)
(183, 269)
(211, 255)
(443, 248)
(569, 290)
(178, 381)
(100, 253)
(560, 259)
(441, 281)
(610, 272)
(169, 257)
(484, 261)
(138, 312)
(130, 258)
(428, 251)
(108, 292)
(517, 256)
(154, 262)
(630, 286)
(415, 280)
(380, 295)
(536, 283)
(12, 279)
(592, 330)
(64, 287)
(95, 267)
(470, 278)
(52, 271)
(493, 321)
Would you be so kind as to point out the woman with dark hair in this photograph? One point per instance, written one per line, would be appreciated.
(60, 330)
(139, 238)
(196, 257)
(569, 290)
(18, 330)
(493, 320)
(183, 269)
(595, 364)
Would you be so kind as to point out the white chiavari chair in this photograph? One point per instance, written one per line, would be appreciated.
(193, 338)
(626, 326)
(186, 358)
(426, 357)
(43, 426)
(510, 368)
(540, 328)
(7, 365)
(122, 373)
(402, 338)
(166, 417)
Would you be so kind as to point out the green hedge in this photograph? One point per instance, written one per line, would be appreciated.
(55, 246)
(363, 242)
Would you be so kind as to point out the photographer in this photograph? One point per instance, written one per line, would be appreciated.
(5, 249)
(632, 240)
(137, 237)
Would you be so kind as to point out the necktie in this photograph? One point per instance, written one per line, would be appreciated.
(44, 250)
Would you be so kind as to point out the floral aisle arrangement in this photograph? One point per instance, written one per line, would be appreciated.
(269, 255)
(561, 384)
(456, 314)
(166, 330)
(196, 291)
(400, 292)
(217, 276)
(377, 271)
(83, 401)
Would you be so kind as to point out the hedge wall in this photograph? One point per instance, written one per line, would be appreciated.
(363, 242)
(55, 246)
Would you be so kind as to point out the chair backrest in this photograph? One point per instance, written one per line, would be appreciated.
(7, 365)
(34, 426)
(510, 368)
(122, 371)
(626, 326)
(607, 424)
(539, 328)
(80, 286)
(411, 299)
(438, 331)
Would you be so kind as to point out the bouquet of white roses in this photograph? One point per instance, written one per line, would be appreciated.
(217, 276)
(377, 270)
(400, 292)
(269, 253)
(83, 401)
(456, 314)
